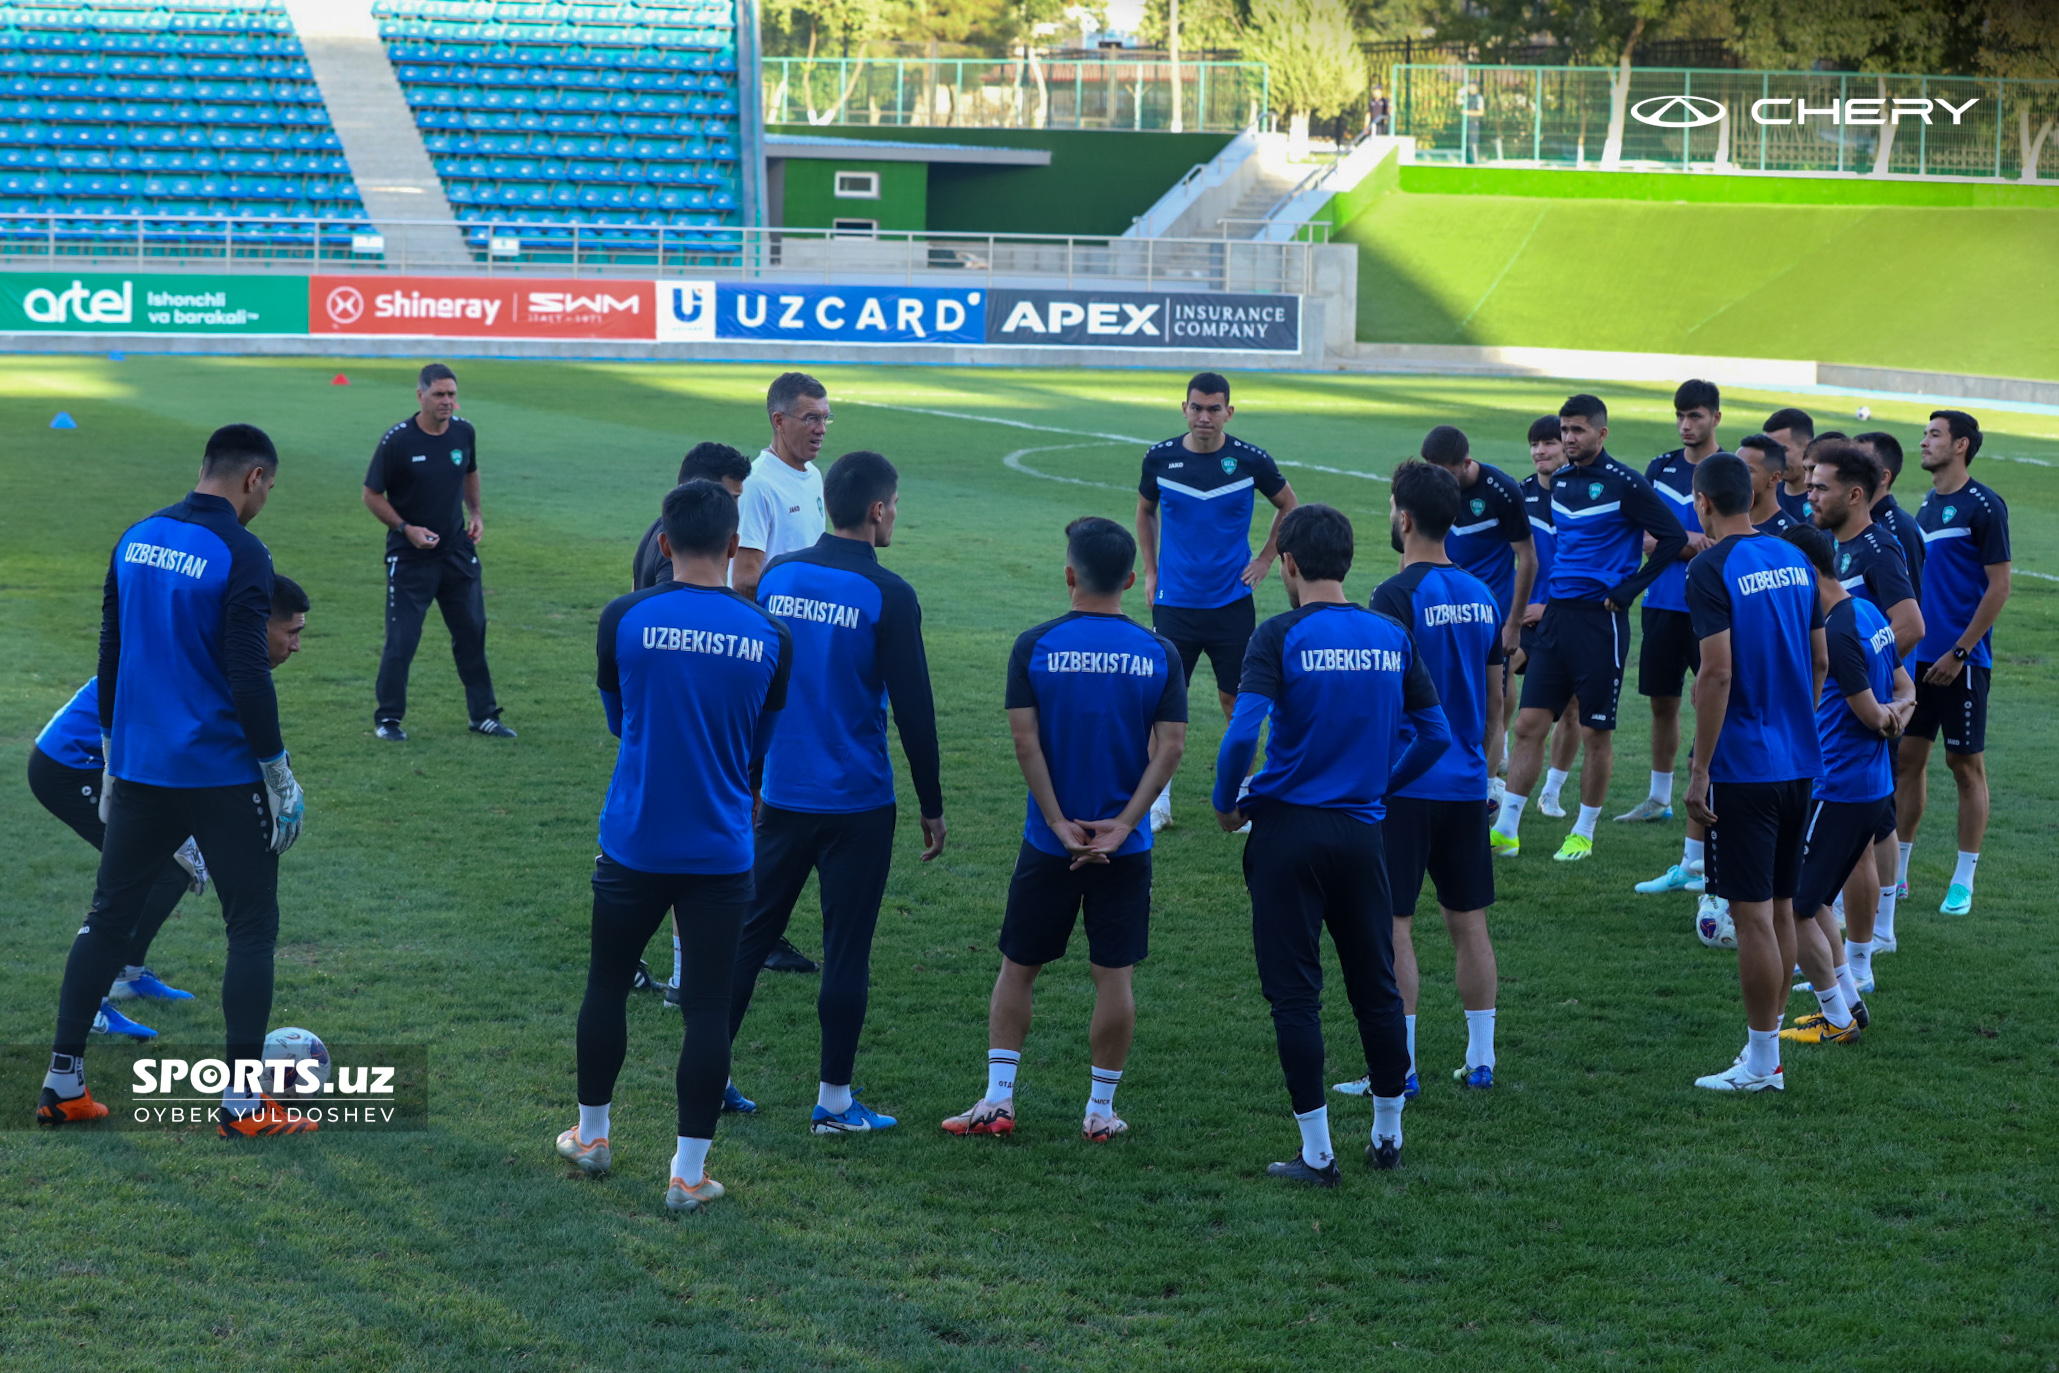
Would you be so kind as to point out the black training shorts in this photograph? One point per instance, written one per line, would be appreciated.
(1581, 649)
(1222, 633)
(1667, 652)
(1755, 848)
(1045, 898)
(1958, 709)
(1447, 840)
(1840, 837)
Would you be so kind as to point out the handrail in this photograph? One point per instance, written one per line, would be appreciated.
(228, 243)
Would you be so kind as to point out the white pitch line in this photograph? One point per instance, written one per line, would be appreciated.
(1015, 464)
(2041, 576)
(1012, 459)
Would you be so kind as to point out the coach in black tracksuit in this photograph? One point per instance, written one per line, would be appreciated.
(423, 485)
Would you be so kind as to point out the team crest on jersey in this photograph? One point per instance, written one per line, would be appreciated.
(1846, 565)
(457, 457)
(1229, 466)
(1479, 506)
(1950, 511)
(1594, 491)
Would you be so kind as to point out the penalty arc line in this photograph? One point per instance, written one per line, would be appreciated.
(1014, 463)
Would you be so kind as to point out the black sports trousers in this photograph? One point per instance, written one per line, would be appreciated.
(73, 796)
(628, 907)
(145, 826)
(452, 581)
(1308, 867)
(852, 850)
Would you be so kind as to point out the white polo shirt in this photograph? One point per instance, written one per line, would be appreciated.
(780, 509)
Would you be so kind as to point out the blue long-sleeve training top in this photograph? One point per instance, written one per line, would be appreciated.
(857, 633)
(1344, 688)
(1602, 511)
(185, 678)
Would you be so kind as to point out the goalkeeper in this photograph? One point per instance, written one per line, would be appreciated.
(190, 736)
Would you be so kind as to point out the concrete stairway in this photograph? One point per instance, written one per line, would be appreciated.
(1273, 181)
(392, 168)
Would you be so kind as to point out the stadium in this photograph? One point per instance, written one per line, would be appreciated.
(1018, 301)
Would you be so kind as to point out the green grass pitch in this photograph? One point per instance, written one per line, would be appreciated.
(1893, 1210)
(1940, 290)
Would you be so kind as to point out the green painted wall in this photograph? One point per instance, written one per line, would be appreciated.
(1708, 188)
(812, 203)
(1098, 180)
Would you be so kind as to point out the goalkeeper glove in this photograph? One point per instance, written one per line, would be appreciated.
(106, 776)
(188, 857)
(288, 804)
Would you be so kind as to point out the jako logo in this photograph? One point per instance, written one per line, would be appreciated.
(46, 306)
(1695, 111)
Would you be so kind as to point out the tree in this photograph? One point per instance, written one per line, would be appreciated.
(2021, 40)
(1609, 31)
(1313, 58)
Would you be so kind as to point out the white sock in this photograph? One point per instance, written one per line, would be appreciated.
(1511, 814)
(1832, 1000)
(1762, 1050)
(678, 960)
(1101, 1092)
(1662, 787)
(1315, 1138)
(1584, 826)
(1691, 853)
(1164, 801)
(1902, 871)
(130, 972)
(593, 1123)
(1001, 1067)
(1963, 874)
(690, 1161)
(1884, 923)
(1387, 1118)
(1411, 1023)
(1847, 984)
(1859, 960)
(833, 1099)
(1554, 782)
(1480, 1038)
(67, 1075)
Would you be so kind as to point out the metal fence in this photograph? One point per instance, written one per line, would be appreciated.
(129, 242)
(1681, 119)
(1059, 92)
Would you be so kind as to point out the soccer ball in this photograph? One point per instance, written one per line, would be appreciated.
(1865, 413)
(298, 1044)
(1712, 923)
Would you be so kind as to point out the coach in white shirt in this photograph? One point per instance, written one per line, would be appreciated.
(781, 507)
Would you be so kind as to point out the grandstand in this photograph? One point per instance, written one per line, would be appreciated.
(616, 120)
(161, 125)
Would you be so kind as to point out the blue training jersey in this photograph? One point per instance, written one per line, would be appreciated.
(1964, 534)
(1343, 687)
(692, 678)
(1491, 523)
(185, 676)
(1672, 476)
(1870, 565)
(1537, 508)
(857, 632)
(1602, 511)
(1857, 762)
(1099, 684)
(1456, 626)
(1763, 591)
(1796, 507)
(73, 735)
(1204, 505)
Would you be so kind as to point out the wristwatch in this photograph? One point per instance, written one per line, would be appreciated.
(1962, 654)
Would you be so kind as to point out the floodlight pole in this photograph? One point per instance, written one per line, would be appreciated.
(750, 105)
